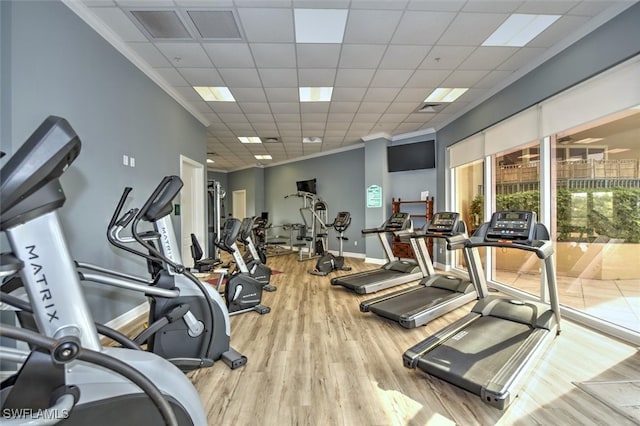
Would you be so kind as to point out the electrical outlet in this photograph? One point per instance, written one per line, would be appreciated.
(125, 160)
(355, 243)
(132, 162)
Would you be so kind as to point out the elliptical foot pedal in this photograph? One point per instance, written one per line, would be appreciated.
(233, 359)
(261, 309)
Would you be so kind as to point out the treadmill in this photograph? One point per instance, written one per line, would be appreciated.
(392, 273)
(491, 351)
(436, 294)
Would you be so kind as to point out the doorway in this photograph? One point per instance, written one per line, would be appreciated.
(240, 204)
(192, 198)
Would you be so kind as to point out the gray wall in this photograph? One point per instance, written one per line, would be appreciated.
(340, 180)
(60, 66)
(252, 181)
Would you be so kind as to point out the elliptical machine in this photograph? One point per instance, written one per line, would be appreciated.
(242, 292)
(257, 269)
(328, 262)
(78, 380)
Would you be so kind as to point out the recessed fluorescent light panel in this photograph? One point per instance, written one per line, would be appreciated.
(214, 94)
(519, 29)
(315, 94)
(312, 139)
(210, 161)
(320, 25)
(263, 157)
(250, 139)
(445, 94)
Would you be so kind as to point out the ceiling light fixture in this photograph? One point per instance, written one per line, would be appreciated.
(210, 161)
(214, 94)
(249, 139)
(320, 25)
(588, 140)
(312, 139)
(617, 150)
(315, 94)
(519, 29)
(263, 157)
(444, 94)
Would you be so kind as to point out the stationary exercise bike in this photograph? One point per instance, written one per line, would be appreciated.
(257, 269)
(328, 262)
(68, 376)
(242, 292)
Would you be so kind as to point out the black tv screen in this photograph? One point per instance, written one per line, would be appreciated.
(307, 186)
(412, 156)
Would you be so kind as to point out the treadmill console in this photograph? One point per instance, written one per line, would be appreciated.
(517, 226)
(444, 222)
(397, 222)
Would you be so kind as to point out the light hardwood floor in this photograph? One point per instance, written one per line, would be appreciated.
(317, 360)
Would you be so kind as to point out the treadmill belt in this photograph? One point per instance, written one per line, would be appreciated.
(374, 276)
(421, 298)
(475, 354)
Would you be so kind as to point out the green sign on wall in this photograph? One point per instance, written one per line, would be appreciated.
(374, 196)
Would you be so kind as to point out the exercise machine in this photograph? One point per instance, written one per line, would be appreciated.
(392, 273)
(328, 262)
(242, 292)
(492, 350)
(312, 233)
(75, 379)
(257, 269)
(436, 294)
(216, 215)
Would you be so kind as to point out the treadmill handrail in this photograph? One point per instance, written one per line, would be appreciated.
(373, 230)
(542, 249)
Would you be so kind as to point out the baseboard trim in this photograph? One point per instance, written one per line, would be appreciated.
(120, 321)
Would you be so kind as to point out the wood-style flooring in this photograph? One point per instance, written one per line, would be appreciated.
(317, 360)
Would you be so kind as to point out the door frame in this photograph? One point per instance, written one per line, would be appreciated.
(197, 209)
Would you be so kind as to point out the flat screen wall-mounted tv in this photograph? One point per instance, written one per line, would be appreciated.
(307, 186)
(412, 156)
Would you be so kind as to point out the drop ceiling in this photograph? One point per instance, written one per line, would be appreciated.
(393, 54)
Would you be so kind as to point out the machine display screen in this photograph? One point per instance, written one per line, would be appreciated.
(443, 222)
(511, 225)
(397, 220)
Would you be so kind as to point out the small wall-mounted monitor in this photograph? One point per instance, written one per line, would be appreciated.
(307, 186)
(412, 156)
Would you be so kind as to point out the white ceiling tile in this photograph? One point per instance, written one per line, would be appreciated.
(393, 118)
(120, 23)
(378, 107)
(270, 127)
(405, 107)
(471, 29)
(143, 3)
(444, 5)
(270, 55)
(201, 106)
(286, 94)
(313, 116)
(321, 4)
(287, 118)
(404, 57)
(411, 95)
(247, 94)
(267, 25)
(379, 4)
(367, 117)
(339, 117)
(547, 7)
(312, 126)
(255, 107)
(318, 77)
(240, 77)
(203, 3)
(560, 29)
(354, 77)
(390, 78)
(279, 77)
(285, 107)
(173, 77)
(212, 117)
(290, 130)
(376, 94)
(188, 93)
(338, 124)
(487, 57)
(591, 8)
(318, 55)
(185, 54)
(361, 55)
(500, 6)
(344, 107)
(446, 57)
(426, 79)
(231, 118)
(229, 55)
(225, 107)
(317, 107)
(260, 118)
(150, 54)
(354, 94)
(242, 128)
(463, 78)
(423, 28)
(493, 79)
(99, 3)
(371, 26)
(201, 76)
(335, 133)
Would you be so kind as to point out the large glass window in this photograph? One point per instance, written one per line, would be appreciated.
(469, 200)
(597, 218)
(517, 187)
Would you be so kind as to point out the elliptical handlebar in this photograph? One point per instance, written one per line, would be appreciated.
(158, 204)
(116, 213)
